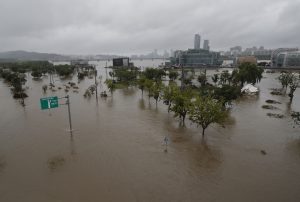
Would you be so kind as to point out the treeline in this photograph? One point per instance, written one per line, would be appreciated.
(203, 102)
(14, 74)
(38, 68)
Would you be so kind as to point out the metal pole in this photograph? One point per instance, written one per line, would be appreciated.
(96, 83)
(69, 111)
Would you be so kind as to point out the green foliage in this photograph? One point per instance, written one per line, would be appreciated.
(187, 81)
(182, 103)
(156, 88)
(22, 67)
(148, 86)
(126, 74)
(36, 74)
(16, 80)
(215, 78)
(291, 80)
(202, 79)
(82, 74)
(141, 84)
(284, 79)
(226, 93)
(224, 77)
(205, 111)
(249, 73)
(294, 82)
(154, 74)
(173, 75)
(110, 85)
(112, 75)
(64, 70)
(235, 77)
(169, 93)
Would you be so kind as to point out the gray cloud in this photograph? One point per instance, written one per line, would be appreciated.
(133, 26)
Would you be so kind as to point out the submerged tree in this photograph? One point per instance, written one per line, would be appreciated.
(18, 91)
(156, 88)
(110, 85)
(173, 75)
(215, 78)
(168, 94)
(224, 77)
(63, 70)
(154, 74)
(202, 79)
(249, 73)
(284, 79)
(141, 84)
(226, 93)
(148, 86)
(294, 82)
(182, 103)
(291, 80)
(45, 87)
(205, 111)
(36, 74)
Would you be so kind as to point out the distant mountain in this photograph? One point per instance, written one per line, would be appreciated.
(24, 55)
(29, 56)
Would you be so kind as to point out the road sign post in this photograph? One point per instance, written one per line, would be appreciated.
(52, 102)
(49, 102)
(69, 112)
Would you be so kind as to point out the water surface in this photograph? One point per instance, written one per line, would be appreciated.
(117, 154)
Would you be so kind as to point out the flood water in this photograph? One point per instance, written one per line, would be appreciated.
(116, 152)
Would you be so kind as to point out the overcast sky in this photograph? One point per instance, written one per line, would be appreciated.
(139, 26)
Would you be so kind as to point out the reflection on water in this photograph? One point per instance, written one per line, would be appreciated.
(142, 104)
(116, 151)
(2, 164)
(55, 162)
(206, 157)
(293, 148)
(130, 91)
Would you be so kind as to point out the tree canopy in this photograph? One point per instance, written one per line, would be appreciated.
(249, 73)
(205, 111)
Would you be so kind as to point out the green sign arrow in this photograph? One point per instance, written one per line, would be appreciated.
(49, 102)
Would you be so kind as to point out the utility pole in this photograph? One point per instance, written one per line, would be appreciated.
(69, 112)
(96, 84)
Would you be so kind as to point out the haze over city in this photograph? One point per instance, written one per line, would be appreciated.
(140, 26)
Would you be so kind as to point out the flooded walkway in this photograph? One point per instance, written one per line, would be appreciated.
(117, 154)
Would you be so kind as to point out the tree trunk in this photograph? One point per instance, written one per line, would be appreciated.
(291, 94)
(291, 97)
(203, 130)
(183, 118)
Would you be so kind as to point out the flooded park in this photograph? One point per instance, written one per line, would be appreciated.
(117, 152)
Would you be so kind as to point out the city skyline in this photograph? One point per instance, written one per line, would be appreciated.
(129, 26)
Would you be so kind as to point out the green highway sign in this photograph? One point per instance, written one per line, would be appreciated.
(49, 102)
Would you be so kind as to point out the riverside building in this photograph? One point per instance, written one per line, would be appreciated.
(196, 57)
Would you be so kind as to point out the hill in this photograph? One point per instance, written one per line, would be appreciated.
(24, 55)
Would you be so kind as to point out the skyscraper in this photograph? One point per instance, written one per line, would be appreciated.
(197, 41)
(206, 45)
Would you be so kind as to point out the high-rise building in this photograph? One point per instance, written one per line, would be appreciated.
(206, 45)
(197, 41)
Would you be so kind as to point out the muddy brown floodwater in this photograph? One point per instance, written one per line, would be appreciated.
(117, 154)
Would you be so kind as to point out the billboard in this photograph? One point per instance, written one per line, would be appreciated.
(121, 62)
